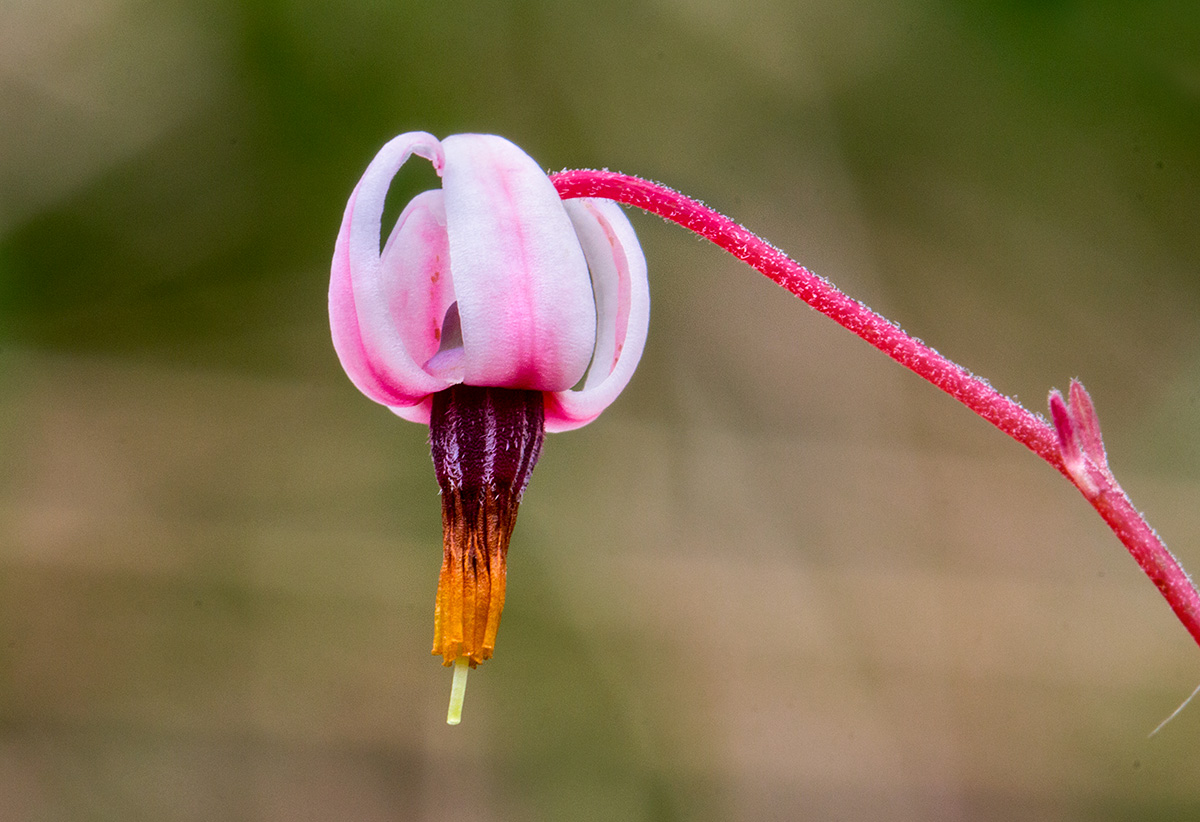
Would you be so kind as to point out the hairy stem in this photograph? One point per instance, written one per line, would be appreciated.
(1027, 428)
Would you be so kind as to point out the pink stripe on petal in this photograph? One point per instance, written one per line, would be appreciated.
(524, 296)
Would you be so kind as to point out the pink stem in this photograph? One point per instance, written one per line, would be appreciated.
(1005, 413)
(1152, 555)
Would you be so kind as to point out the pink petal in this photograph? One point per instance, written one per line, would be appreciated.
(416, 413)
(521, 280)
(417, 279)
(622, 297)
(366, 334)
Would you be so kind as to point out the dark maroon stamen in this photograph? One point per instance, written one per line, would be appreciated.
(484, 443)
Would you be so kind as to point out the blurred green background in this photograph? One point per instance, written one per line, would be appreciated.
(781, 578)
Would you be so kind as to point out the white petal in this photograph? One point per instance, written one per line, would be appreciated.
(622, 289)
(520, 277)
(366, 336)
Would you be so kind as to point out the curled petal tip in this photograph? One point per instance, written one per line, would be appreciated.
(378, 306)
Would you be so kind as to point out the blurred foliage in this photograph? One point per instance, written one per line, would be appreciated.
(778, 577)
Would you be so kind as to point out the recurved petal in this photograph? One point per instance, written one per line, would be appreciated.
(419, 413)
(366, 334)
(524, 297)
(622, 296)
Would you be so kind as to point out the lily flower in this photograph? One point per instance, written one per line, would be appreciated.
(495, 311)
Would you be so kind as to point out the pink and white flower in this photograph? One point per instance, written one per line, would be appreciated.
(494, 312)
(492, 280)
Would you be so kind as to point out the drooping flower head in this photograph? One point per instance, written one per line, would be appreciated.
(491, 280)
(494, 311)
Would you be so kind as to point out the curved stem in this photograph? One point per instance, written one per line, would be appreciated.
(1005, 413)
(1074, 430)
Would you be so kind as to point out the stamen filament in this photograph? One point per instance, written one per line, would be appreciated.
(458, 690)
